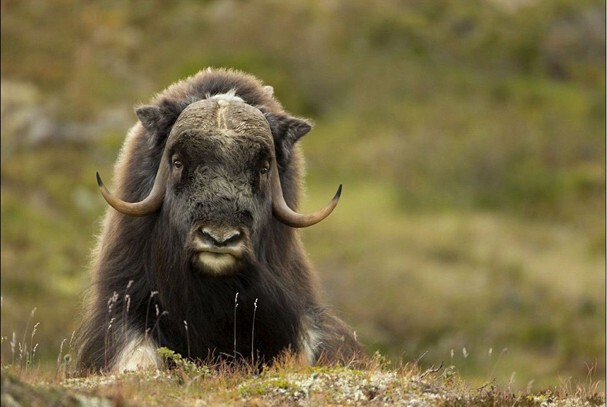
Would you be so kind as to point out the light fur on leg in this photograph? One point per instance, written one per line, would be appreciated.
(138, 354)
(310, 340)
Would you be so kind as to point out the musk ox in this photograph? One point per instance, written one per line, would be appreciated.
(200, 253)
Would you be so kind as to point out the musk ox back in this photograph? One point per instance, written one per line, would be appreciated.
(199, 251)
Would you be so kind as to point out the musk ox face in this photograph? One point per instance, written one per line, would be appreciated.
(220, 156)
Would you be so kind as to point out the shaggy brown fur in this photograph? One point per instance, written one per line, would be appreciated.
(144, 284)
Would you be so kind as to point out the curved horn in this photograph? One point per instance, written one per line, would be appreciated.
(146, 207)
(291, 218)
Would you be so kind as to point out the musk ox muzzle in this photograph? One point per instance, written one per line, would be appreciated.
(218, 249)
(239, 119)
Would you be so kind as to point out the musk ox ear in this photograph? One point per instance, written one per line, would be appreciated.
(158, 119)
(149, 116)
(286, 130)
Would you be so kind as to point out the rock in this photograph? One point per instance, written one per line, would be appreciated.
(16, 393)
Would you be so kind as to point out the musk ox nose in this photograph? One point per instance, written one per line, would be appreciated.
(217, 249)
(220, 237)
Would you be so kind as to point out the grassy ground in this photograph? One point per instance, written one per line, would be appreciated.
(469, 137)
(285, 384)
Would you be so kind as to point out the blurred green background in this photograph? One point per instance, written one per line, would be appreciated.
(469, 136)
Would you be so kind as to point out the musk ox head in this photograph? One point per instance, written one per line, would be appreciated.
(218, 183)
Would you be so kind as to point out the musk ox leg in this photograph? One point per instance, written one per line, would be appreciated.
(310, 339)
(138, 353)
(327, 340)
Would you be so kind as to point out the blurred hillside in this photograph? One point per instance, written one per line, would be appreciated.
(469, 136)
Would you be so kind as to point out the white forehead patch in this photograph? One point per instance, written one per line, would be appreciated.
(229, 96)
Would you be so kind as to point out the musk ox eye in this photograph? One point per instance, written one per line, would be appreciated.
(264, 169)
(177, 164)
